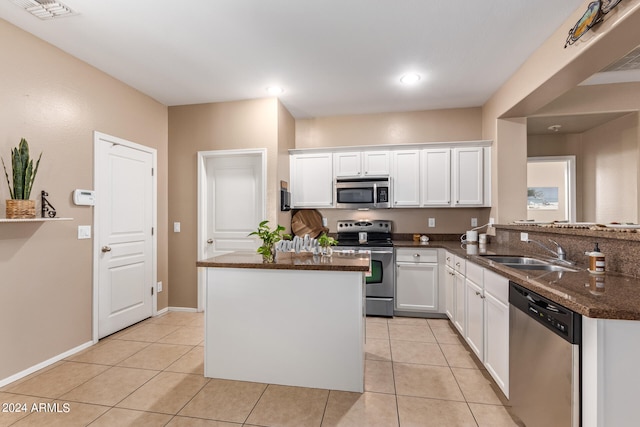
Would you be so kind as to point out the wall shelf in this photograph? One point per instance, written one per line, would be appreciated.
(34, 219)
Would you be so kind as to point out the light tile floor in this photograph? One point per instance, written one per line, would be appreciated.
(418, 373)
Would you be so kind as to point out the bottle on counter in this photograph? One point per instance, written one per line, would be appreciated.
(596, 261)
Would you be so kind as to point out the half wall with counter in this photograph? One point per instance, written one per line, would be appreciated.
(299, 321)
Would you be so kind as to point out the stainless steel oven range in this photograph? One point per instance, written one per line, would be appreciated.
(373, 237)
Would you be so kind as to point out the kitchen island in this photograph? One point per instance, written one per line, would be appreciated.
(298, 321)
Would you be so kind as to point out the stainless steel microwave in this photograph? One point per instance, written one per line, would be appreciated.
(360, 193)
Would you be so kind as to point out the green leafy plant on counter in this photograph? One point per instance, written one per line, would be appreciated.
(269, 239)
(23, 171)
(325, 243)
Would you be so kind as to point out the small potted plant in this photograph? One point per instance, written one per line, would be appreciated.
(269, 239)
(325, 243)
(23, 174)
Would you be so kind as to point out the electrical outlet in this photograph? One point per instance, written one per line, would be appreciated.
(474, 222)
(432, 222)
(159, 286)
(492, 221)
(524, 237)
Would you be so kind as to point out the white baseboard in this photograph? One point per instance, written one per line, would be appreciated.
(163, 311)
(186, 309)
(44, 364)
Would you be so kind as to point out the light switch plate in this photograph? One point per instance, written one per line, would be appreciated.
(176, 227)
(432, 222)
(84, 232)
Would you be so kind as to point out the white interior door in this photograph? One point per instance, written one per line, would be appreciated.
(234, 201)
(125, 243)
(231, 202)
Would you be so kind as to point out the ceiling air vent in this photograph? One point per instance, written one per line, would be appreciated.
(45, 9)
(631, 61)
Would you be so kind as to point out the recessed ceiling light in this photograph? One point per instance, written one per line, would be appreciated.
(275, 90)
(410, 78)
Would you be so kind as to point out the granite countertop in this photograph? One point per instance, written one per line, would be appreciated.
(608, 296)
(290, 261)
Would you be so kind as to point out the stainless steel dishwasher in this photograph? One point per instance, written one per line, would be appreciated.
(544, 360)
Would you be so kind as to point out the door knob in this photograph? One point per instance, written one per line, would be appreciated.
(106, 249)
(210, 241)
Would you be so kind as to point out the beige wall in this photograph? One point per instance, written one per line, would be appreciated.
(56, 102)
(551, 71)
(261, 123)
(461, 124)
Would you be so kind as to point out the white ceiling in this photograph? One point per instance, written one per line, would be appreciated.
(332, 57)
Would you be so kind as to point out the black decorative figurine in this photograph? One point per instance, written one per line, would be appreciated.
(47, 208)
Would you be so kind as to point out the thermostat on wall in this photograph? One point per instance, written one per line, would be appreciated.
(84, 197)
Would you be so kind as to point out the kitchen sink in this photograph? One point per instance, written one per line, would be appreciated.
(527, 263)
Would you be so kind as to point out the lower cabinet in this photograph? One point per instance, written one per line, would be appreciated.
(474, 332)
(417, 280)
(496, 329)
(478, 305)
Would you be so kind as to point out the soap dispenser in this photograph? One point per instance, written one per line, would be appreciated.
(596, 261)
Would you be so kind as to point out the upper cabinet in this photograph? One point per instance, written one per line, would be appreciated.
(356, 164)
(312, 180)
(405, 179)
(422, 175)
(468, 176)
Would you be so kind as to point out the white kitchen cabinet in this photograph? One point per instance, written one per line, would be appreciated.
(496, 332)
(459, 266)
(417, 280)
(347, 165)
(468, 176)
(376, 163)
(356, 164)
(474, 310)
(449, 286)
(406, 178)
(435, 180)
(312, 180)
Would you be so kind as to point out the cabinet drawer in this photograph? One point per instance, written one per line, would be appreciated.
(416, 255)
(474, 273)
(497, 286)
(449, 259)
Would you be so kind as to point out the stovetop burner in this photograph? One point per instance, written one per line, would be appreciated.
(364, 233)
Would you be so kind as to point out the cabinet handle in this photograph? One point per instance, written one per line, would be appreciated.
(416, 255)
(448, 259)
(482, 296)
(477, 293)
(457, 264)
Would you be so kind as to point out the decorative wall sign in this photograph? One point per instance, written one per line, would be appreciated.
(593, 15)
(47, 208)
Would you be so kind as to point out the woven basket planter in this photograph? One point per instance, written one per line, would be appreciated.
(21, 209)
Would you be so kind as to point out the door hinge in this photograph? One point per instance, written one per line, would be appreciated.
(152, 291)
(152, 171)
(152, 231)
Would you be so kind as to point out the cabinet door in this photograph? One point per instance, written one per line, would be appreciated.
(474, 328)
(496, 349)
(468, 176)
(347, 165)
(450, 291)
(406, 178)
(376, 163)
(459, 309)
(417, 287)
(312, 180)
(436, 177)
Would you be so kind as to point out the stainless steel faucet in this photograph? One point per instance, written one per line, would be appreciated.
(559, 252)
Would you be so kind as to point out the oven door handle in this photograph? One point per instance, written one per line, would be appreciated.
(376, 252)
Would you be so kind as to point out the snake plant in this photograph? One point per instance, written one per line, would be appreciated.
(23, 171)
